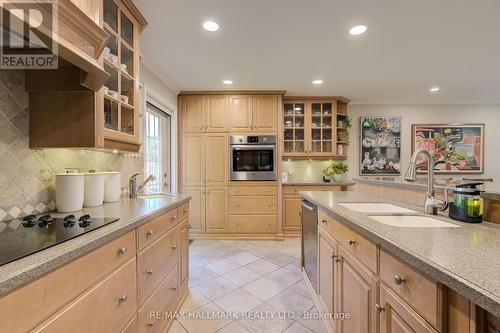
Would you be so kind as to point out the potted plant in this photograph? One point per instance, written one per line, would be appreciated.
(335, 170)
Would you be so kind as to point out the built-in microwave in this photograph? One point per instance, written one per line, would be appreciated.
(253, 157)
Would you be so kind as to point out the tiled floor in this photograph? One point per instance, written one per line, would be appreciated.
(257, 281)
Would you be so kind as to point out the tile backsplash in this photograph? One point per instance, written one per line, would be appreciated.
(304, 171)
(27, 177)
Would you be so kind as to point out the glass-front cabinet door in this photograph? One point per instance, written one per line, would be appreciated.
(311, 128)
(121, 59)
(294, 138)
(323, 121)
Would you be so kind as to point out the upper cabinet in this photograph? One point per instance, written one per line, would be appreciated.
(315, 128)
(257, 113)
(63, 115)
(220, 113)
(203, 113)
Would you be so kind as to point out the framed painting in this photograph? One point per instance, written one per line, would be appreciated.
(458, 148)
(380, 146)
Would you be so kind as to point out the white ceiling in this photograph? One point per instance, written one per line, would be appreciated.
(410, 46)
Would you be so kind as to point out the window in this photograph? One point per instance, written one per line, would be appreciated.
(157, 159)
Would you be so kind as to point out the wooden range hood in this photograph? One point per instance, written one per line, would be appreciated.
(79, 41)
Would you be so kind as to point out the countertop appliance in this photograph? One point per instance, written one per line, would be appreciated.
(310, 242)
(467, 204)
(253, 157)
(20, 238)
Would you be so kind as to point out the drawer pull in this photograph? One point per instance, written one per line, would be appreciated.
(185, 210)
(173, 289)
(324, 221)
(150, 323)
(399, 280)
(190, 226)
(351, 242)
(123, 298)
(122, 250)
(174, 247)
(149, 272)
(379, 308)
(173, 218)
(149, 233)
(337, 259)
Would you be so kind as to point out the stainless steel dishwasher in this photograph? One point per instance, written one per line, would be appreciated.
(310, 242)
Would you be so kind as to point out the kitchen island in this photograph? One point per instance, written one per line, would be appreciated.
(463, 259)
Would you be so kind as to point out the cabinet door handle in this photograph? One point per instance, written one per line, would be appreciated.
(185, 210)
(324, 221)
(173, 218)
(190, 226)
(174, 248)
(173, 289)
(122, 250)
(351, 242)
(379, 308)
(150, 323)
(123, 298)
(333, 255)
(399, 280)
(149, 272)
(149, 233)
(337, 259)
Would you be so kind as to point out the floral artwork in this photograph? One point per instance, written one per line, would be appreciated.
(458, 149)
(380, 146)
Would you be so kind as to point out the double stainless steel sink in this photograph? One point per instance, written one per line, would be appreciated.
(396, 216)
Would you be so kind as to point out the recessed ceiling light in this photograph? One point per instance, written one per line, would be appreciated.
(228, 82)
(358, 30)
(434, 89)
(317, 82)
(210, 26)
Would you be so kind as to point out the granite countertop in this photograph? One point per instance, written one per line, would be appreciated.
(464, 259)
(343, 183)
(132, 213)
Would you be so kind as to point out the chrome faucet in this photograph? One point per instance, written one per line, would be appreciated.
(431, 205)
(133, 189)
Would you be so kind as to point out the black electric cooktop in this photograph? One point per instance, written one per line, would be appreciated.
(20, 238)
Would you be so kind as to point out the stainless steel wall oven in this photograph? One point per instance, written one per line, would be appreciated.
(253, 157)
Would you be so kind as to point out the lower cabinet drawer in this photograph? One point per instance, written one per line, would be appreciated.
(183, 211)
(107, 307)
(363, 249)
(248, 224)
(155, 261)
(423, 294)
(253, 190)
(162, 301)
(149, 232)
(65, 284)
(253, 205)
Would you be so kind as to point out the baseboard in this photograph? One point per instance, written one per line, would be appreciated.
(221, 236)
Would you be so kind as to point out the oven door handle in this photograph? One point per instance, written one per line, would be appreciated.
(255, 147)
(311, 208)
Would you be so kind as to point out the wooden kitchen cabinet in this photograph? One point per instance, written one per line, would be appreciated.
(216, 209)
(193, 114)
(291, 213)
(216, 114)
(63, 115)
(311, 127)
(193, 159)
(196, 208)
(202, 113)
(216, 159)
(253, 113)
(357, 295)
(397, 316)
(184, 255)
(327, 272)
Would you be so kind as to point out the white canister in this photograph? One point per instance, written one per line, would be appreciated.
(94, 189)
(69, 192)
(112, 186)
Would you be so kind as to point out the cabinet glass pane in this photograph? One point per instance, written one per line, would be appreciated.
(288, 109)
(326, 134)
(127, 60)
(289, 147)
(299, 134)
(288, 134)
(299, 109)
(326, 122)
(316, 134)
(299, 146)
(316, 146)
(327, 146)
(127, 120)
(127, 91)
(112, 44)
(127, 30)
(110, 114)
(111, 85)
(288, 122)
(327, 108)
(111, 14)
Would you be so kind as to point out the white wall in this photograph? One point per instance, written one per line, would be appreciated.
(413, 114)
